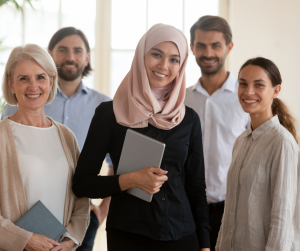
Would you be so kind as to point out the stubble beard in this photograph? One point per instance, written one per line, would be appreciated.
(213, 70)
(67, 75)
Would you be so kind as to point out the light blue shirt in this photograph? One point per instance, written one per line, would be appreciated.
(75, 112)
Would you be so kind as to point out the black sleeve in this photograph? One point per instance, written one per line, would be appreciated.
(195, 183)
(86, 182)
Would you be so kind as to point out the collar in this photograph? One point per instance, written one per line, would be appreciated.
(265, 127)
(228, 85)
(81, 89)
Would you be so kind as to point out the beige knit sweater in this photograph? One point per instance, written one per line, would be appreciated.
(13, 202)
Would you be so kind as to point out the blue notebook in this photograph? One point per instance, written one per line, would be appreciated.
(40, 220)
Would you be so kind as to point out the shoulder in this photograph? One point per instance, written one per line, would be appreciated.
(97, 95)
(191, 115)
(284, 138)
(65, 131)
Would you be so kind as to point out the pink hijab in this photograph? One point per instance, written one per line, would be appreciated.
(134, 103)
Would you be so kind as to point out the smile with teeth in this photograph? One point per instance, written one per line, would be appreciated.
(33, 95)
(250, 101)
(159, 74)
(69, 65)
(209, 61)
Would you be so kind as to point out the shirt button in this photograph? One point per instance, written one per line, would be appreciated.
(164, 213)
(163, 198)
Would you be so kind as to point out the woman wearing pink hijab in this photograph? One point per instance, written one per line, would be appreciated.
(150, 101)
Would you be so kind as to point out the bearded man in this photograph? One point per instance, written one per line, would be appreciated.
(214, 97)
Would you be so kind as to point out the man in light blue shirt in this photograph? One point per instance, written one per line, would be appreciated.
(74, 104)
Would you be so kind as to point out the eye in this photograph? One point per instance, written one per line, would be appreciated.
(78, 51)
(157, 55)
(259, 85)
(61, 50)
(242, 84)
(23, 78)
(175, 60)
(41, 77)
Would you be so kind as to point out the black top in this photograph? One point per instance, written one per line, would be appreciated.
(178, 209)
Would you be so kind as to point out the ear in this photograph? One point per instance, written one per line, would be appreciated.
(229, 48)
(51, 81)
(192, 48)
(10, 85)
(50, 52)
(87, 60)
(277, 90)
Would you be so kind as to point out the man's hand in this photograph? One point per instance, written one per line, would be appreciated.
(40, 242)
(66, 245)
(205, 249)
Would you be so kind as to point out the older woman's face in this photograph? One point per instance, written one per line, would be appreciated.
(31, 85)
(162, 64)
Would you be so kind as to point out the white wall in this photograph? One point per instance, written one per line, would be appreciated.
(269, 28)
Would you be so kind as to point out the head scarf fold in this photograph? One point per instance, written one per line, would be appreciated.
(134, 103)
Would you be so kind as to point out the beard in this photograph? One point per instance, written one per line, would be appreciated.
(211, 70)
(68, 75)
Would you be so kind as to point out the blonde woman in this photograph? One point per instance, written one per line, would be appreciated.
(38, 156)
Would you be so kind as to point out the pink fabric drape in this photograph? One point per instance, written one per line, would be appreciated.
(134, 103)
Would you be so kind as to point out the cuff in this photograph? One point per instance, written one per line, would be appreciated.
(203, 237)
(66, 234)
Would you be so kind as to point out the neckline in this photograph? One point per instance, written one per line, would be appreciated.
(33, 127)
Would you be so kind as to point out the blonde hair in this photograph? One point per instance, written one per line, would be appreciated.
(28, 52)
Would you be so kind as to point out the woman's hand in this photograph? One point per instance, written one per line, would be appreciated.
(40, 242)
(66, 245)
(149, 179)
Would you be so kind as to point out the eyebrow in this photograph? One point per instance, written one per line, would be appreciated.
(257, 80)
(209, 44)
(41, 74)
(65, 47)
(155, 49)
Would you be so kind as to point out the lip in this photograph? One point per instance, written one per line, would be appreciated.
(158, 77)
(250, 101)
(209, 62)
(33, 96)
(69, 67)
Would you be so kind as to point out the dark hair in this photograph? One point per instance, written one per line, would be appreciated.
(278, 107)
(69, 31)
(212, 23)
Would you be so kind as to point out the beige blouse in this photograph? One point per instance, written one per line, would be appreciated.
(260, 202)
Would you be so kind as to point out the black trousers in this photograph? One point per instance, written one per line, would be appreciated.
(89, 238)
(123, 241)
(216, 211)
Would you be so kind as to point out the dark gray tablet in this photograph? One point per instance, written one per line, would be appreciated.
(139, 151)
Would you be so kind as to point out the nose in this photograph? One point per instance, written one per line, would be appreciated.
(163, 64)
(33, 85)
(249, 90)
(208, 52)
(70, 56)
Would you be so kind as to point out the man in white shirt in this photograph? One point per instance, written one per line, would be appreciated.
(214, 98)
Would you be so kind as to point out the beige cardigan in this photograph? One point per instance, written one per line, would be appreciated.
(13, 202)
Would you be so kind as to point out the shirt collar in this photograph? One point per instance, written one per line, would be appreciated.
(265, 127)
(228, 85)
(81, 89)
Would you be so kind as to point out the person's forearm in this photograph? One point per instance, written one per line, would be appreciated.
(126, 181)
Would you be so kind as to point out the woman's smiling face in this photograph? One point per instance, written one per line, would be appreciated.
(256, 92)
(162, 63)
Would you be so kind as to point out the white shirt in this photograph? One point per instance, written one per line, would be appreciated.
(43, 167)
(222, 121)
